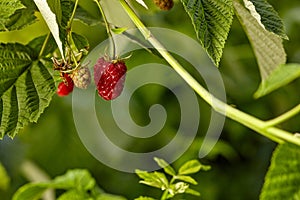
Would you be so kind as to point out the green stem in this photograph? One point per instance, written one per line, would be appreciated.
(247, 120)
(44, 45)
(285, 116)
(73, 14)
(164, 195)
(108, 30)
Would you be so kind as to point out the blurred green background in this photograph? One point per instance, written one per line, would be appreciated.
(239, 161)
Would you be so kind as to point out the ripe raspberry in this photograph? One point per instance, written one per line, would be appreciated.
(164, 4)
(82, 77)
(109, 78)
(66, 86)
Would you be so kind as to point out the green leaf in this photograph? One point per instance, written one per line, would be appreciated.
(192, 192)
(26, 88)
(106, 196)
(50, 18)
(85, 17)
(67, 7)
(56, 8)
(37, 44)
(283, 178)
(22, 17)
(9, 7)
(281, 76)
(144, 198)
(74, 195)
(267, 47)
(190, 167)
(187, 179)
(268, 17)
(4, 178)
(77, 178)
(14, 15)
(167, 168)
(154, 179)
(212, 20)
(32, 191)
(80, 41)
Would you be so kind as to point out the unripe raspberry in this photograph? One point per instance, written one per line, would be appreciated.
(82, 77)
(164, 4)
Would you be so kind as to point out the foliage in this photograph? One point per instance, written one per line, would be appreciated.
(212, 21)
(4, 178)
(27, 82)
(77, 183)
(268, 47)
(179, 182)
(26, 87)
(283, 178)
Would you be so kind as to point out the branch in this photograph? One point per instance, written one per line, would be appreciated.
(247, 120)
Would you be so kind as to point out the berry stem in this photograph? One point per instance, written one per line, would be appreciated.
(273, 133)
(72, 15)
(44, 45)
(108, 30)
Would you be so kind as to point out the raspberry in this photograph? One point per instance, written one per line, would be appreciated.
(164, 4)
(66, 86)
(82, 77)
(109, 77)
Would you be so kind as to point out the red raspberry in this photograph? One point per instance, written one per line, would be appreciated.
(109, 77)
(66, 86)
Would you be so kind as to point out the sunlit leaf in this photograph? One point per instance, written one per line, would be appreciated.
(154, 179)
(79, 179)
(212, 20)
(192, 192)
(50, 18)
(187, 179)
(191, 167)
(142, 3)
(266, 15)
(267, 47)
(281, 76)
(167, 168)
(15, 15)
(30, 191)
(283, 178)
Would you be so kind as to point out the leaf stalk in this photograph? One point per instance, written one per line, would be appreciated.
(273, 133)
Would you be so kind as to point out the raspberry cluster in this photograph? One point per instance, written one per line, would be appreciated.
(80, 77)
(164, 4)
(109, 77)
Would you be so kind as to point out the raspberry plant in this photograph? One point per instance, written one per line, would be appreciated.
(28, 71)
